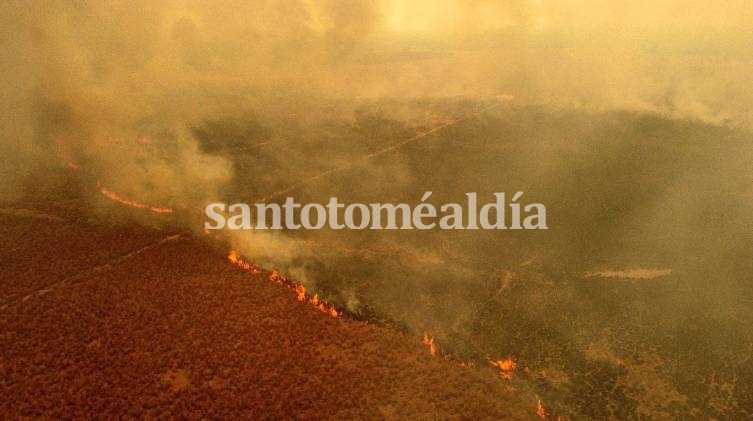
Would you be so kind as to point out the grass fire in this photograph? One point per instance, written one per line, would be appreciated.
(419, 210)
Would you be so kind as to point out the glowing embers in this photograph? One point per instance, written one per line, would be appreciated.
(117, 198)
(506, 367)
(275, 277)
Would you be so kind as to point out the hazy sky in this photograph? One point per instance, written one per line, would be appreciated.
(79, 76)
(454, 15)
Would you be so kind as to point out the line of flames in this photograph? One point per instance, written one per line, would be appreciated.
(506, 366)
(300, 290)
(116, 197)
(120, 199)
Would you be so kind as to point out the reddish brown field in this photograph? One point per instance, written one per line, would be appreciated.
(103, 322)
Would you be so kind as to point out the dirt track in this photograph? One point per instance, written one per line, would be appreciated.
(105, 322)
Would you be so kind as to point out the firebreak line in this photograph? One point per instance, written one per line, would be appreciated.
(363, 159)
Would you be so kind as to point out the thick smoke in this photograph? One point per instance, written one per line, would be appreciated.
(168, 101)
(118, 86)
(113, 71)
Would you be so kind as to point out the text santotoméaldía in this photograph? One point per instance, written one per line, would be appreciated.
(292, 215)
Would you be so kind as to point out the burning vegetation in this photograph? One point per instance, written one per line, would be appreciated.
(506, 367)
(299, 289)
(632, 304)
(522, 295)
(117, 198)
(428, 340)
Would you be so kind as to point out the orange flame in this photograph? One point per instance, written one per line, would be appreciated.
(236, 259)
(275, 277)
(300, 292)
(114, 196)
(300, 295)
(299, 289)
(540, 409)
(506, 367)
(429, 341)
